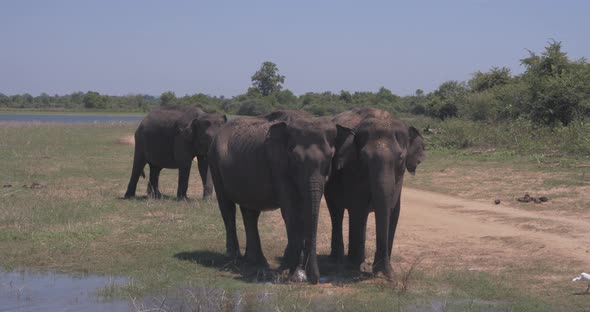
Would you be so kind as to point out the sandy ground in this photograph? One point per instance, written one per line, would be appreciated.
(473, 235)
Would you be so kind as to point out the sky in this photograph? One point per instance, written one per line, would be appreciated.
(121, 47)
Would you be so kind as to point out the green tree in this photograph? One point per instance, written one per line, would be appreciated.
(345, 97)
(558, 87)
(267, 79)
(167, 98)
(484, 81)
(445, 101)
(94, 100)
(551, 62)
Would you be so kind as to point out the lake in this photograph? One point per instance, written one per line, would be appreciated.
(26, 291)
(68, 118)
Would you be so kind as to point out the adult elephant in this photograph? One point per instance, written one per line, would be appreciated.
(171, 138)
(278, 160)
(371, 179)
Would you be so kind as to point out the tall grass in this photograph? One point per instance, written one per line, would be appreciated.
(521, 136)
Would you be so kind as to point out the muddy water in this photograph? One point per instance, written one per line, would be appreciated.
(25, 291)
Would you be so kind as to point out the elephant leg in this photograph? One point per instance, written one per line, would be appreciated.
(138, 165)
(357, 223)
(183, 176)
(205, 174)
(337, 216)
(293, 255)
(382, 226)
(228, 213)
(254, 253)
(153, 190)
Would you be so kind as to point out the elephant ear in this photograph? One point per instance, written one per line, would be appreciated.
(186, 132)
(345, 147)
(413, 133)
(416, 150)
(277, 139)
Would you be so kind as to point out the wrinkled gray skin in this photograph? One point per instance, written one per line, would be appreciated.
(279, 160)
(371, 179)
(171, 138)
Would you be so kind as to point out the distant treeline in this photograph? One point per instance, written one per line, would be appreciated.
(552, 90)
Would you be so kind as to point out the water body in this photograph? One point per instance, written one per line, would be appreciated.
(68, 118)
(25, 291)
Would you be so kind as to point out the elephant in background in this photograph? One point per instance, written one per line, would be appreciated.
(278, 160)
(371, 179)
(171, 138)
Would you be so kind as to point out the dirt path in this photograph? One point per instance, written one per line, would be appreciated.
(481, 236)
(447, 232)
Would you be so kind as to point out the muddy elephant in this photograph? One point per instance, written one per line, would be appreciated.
(280, 160)
(370, 180)
(171, 138)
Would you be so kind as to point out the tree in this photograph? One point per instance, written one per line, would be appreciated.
(267, 79)
(484, 81)
(345, 96)
(557, 86)
(444, 102)
(552, 61)
(94, 100)
(167, 98)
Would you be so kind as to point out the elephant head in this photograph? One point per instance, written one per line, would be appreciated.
(302, 151)
(200, 131)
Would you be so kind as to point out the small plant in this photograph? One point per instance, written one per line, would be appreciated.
(404, 281)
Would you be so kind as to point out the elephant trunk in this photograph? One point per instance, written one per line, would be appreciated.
(382, 182)
(312, 206)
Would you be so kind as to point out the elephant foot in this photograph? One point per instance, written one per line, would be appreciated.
(384, 271)
(298, 276)
(256, 260)
(157, 195)
(313, 276)
(182, 198)
(340, 268)
(355, 261)
(233, 253)
(129, 195)
(258, 270)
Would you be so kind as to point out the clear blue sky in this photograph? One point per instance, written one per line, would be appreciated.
(139, 46)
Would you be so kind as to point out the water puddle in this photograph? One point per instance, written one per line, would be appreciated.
(26, 291)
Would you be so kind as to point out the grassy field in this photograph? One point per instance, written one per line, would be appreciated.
(61, 210)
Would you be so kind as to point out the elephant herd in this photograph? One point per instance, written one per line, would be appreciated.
(289, 160)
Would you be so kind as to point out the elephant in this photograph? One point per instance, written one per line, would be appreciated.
(280, 160)
(370, 179)
(171, 138)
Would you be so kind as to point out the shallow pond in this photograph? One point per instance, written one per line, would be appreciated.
(68, 118)
(25, 291)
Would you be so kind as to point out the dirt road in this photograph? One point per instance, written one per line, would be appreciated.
(450, 232)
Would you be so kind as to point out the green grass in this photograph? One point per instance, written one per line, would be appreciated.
(77, 223)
